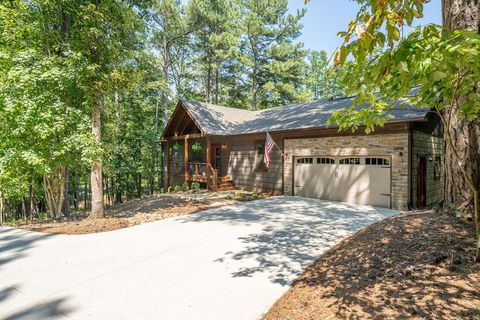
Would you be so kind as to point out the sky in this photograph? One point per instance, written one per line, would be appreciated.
(324, 18)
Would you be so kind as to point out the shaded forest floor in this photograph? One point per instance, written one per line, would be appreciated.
(133, 212)
(416, 265)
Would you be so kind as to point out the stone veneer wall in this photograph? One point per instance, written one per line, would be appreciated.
(375, 144)
(428, 145)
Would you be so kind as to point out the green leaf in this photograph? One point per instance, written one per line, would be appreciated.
(438, 75)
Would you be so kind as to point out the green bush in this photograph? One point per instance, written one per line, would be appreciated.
(162, 190)
(185, 187)
(195, 186)
(177, 188)
(170, 189)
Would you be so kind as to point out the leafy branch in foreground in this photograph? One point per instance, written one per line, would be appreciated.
(435, 68)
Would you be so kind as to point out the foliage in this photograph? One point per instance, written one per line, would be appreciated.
(272, 63)
(197, 147)
(185, 187)
(131, 60)
(433, 68)
(322, 80)
(441, 65)
(195, 186)
(176, 146)
(177, 188)
(162, 190)
(170, 189)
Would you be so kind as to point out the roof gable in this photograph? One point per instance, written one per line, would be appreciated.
(181, 123)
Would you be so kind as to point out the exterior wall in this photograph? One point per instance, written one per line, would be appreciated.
(427, 145)
(240, 163)
(376, 144)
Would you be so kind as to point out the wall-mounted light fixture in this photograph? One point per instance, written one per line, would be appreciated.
(430, 158)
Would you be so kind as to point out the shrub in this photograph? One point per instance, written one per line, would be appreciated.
(195, 186)
(170, 189)
(162, 190)
(177, 188)
(185, 187)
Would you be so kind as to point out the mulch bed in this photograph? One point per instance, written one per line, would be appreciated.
(125, 215)
(416, 265)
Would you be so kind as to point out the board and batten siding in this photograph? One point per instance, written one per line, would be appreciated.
(241, 159)
(426, 145)
(364, 145)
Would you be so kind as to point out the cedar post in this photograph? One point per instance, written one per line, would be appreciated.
(208, 161)
(185, 158)
(167, 152)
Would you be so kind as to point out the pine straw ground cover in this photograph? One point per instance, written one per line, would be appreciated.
(412, 266)
(131, 213)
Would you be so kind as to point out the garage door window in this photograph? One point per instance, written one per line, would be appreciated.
(305, 160)
(350, 161)
(377, 161)
(325, 161)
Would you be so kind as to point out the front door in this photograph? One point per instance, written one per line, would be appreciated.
(216, 156)
(421, 183)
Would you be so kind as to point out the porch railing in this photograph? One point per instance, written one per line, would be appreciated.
(213, 178)
(197, 169)
(177, 168)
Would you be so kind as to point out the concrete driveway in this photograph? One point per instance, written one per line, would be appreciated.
(227, 263)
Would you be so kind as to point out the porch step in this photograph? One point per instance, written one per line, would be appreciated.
(224, 179)
(226, 184)
(230, 188)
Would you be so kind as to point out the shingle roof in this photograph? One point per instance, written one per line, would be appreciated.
(218, 120)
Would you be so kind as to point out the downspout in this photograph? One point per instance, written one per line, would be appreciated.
(410, 161)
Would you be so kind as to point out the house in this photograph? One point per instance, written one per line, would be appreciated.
(397, 166)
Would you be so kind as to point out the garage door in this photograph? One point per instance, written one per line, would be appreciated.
(354, 179)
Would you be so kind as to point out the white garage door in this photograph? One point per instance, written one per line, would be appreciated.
(355, 179)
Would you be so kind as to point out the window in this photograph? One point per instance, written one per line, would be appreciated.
(437, 168)
(377, 161)
(350, 161)
(325, 161)
(305, 160)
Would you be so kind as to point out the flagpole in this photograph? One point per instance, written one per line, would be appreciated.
(276, 145)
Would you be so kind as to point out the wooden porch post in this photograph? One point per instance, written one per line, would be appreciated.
(208, 161)
(185, 158)
(167, 152)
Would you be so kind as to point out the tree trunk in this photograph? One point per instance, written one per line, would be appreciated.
(460, 196)
(139, 185)
(2, 208)
(461, 14)
(118, 191)
(54, 185)
(96, 174)
(76, 193)
(66, 198)
(165, 78)
(33, 205)
(217, 81)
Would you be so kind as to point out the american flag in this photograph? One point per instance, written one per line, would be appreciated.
(269, 144)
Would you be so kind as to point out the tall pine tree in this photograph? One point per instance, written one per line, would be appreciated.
(272, 62)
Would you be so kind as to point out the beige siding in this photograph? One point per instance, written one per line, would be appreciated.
(365, 145)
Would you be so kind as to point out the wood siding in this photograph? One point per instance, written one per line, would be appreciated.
(240, 163)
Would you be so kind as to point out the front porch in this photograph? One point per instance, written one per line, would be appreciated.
(194, 158)
(193, 154)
